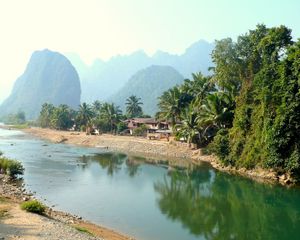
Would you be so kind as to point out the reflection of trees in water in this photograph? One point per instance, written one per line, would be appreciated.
(229, 207)
(112, 162)
(132, 166)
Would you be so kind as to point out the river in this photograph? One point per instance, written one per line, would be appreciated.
(149, 202)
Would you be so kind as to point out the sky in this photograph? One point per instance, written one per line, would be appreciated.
(104, 28)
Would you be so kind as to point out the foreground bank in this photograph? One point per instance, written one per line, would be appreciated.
(172, 153)
(16, 223)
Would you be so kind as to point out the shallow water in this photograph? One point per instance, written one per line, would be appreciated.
(147, 202)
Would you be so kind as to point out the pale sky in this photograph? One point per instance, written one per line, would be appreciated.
(104, 28)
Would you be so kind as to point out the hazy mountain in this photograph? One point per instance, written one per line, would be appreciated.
(105, 78)
(48, 77)
(148, 84)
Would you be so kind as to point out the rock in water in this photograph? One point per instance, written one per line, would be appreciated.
(49, 77)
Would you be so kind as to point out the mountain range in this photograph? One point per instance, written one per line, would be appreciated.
(103, 79)
(65, 79)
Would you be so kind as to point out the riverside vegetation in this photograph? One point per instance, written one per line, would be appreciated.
(247, 111)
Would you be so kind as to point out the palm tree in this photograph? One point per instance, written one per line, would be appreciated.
(216, 112)
(133, 108)
(96, 107)
(61, 117)
(201, 87)
(111, 114)
(85, 114)
(46, 115)
(189, 128)
(171, 104)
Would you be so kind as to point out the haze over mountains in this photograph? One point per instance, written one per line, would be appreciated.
(103, 79)
(49, 77)
(148, 84)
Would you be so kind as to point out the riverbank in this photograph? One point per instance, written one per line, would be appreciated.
(18, 224)
(172, 153)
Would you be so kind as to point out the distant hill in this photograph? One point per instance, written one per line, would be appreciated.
(49, 77)
(148, 84)
(105, 78)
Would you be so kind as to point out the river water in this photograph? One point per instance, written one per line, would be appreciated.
(148, 202)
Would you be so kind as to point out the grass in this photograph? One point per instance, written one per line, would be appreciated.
(20, 126)
(33, 206)
(4, 207)
(84, 230)
(3, 213)
(3, 199)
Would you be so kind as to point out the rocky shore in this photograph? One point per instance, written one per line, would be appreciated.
(18, 224)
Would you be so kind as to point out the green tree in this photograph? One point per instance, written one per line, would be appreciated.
(85, 115)
(133, 107)
(46, 115)
(61, 118)
(111, 114)
(172, 103)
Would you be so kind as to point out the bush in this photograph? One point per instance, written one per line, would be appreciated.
(221, 145)
(33, 206)
(140, 131)
(11, 167)
(121, 126)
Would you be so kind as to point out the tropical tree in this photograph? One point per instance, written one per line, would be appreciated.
(111, 114)
(217, 111)
(61, 118)
(133, 108)
(96, 107)
(85, 115)
(198, 88)
(171, 104)
(189, 127)
(46, 115)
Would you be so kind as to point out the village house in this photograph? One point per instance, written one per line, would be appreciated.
(155, 129)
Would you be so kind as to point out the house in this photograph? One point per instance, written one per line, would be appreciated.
(156, 129)
(134, 123)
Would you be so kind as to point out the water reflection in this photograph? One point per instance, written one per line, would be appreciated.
(219, 206)
(113, 162)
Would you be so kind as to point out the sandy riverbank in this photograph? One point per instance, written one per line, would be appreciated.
(173, 153)
(18, 224)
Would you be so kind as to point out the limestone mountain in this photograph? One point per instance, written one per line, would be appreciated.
(148, 84)
(105, 78)
(49, 77)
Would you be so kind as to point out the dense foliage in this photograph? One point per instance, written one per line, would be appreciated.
(253, 96)
(106, 117)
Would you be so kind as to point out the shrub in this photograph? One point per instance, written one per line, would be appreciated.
(121, 126)
(33, 206)
(15, 168)
(140, 131)
(11, 167)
